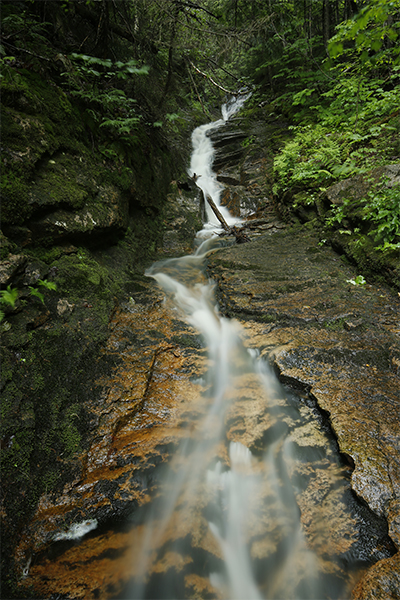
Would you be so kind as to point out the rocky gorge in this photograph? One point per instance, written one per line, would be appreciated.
(332, 342)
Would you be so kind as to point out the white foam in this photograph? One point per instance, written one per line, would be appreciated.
(77, 530)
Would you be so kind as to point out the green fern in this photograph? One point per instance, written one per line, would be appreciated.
(9, 296)
(37, 294)
(308, 159)
(49, 285)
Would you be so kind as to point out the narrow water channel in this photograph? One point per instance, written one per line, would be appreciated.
(256, 501)
(242, 509)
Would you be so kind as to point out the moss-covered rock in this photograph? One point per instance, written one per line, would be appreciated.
(89, 224)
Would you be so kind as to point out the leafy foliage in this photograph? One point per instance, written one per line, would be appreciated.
(308, 159)
(349, 123)
(347, 138)
(94, 81)
(9, 296)
(371, 34)
(382, 207)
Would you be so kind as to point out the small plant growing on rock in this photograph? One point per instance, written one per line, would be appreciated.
(48, 285)
(359, 280)
(8, 297)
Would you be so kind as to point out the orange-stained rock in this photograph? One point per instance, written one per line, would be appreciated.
(337, 343)
(340, 344)
(138, 423)
(381, 581)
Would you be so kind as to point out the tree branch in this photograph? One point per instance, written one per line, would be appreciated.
(215, 83)
(197, 93)
(196, 6)
(214, 62)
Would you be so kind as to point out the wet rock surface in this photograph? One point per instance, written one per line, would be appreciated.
(136, 425)
(334, 342)
(337, 341)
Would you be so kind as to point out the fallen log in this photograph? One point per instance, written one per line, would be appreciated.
(217, 213)
(240, 236)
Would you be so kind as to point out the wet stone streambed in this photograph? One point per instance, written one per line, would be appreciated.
(314, 457)
(247, 444)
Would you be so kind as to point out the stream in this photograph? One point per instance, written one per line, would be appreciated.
(211, 479)
(227, 521)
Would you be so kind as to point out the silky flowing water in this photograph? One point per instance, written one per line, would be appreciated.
(226, 523)
(255, 502)
(237, 504)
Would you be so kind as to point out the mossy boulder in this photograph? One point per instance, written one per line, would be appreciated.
(356, 188)
(37, 120)
(106, 214)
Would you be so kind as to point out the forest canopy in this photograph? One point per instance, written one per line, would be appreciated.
(330, 67)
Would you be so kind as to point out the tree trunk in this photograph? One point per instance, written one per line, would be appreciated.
(170, 55)
(326, 22)
(241, 237)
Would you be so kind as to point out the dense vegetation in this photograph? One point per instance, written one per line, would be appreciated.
(331, 67)
(98, 101)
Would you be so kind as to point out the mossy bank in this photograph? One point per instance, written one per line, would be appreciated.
(89, 225)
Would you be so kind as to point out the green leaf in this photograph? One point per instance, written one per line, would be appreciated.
(9, 296)
(37, 294)
(335, 49)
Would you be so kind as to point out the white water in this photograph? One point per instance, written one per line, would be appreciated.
(201, 165)
(216, 491)
(77, 530)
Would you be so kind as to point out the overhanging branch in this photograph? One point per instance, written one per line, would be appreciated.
(215, 83)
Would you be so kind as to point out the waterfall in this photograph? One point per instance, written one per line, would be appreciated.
(201, 165)
(224, 509)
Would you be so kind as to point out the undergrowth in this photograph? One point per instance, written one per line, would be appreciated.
(350, 129)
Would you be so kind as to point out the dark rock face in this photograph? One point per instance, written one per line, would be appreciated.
(337, 341)
(74, 219)
(106, 215)
(227, 143)
(358, 187)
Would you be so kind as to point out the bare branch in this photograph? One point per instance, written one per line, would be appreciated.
(197, 7)
(214, 82)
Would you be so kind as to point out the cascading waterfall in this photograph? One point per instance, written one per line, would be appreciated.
(201, 163)
(217, 494)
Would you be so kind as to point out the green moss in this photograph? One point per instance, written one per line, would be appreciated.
(37, 118)
(335, 325)
(57, 187)
(122, 177)
(49, 480)
(14, 197)
(47, 255)
(32, 94)
(15, 459)
(269, 318)
(79, 273)
(71, 440)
